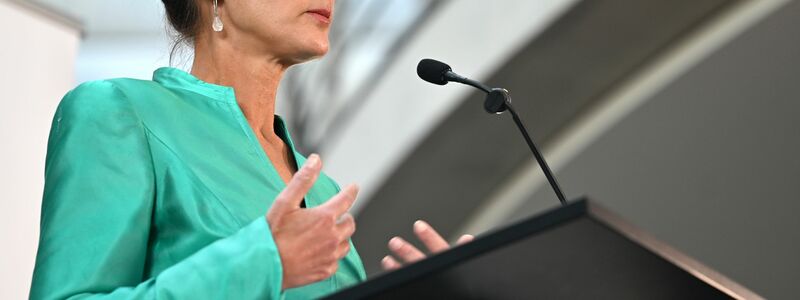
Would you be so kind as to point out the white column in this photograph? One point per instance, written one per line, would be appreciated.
(37, 60)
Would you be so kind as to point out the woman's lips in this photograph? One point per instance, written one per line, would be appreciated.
(323, 15)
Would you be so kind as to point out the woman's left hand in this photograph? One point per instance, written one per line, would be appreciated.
(407, 253)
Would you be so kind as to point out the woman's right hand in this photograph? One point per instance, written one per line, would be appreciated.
(310, 240)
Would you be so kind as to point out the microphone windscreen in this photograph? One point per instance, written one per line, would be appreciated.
(433, 71)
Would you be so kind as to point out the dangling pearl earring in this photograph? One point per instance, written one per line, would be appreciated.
(217, 24)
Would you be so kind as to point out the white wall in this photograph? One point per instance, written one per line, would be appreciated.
(37, 59)
(106, 55)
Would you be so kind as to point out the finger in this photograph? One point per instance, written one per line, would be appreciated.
(465, 239)
(389, 263)
(343, 249)
(341, 202)
(430, 237)
(346, 226)
(405, 251)
(299, 185)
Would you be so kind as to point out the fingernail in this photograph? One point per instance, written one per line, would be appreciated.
(421, 225)
(312, 161)
(353, 188)
(395, 243)
(385, 259)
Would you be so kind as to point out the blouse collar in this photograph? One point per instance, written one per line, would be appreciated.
(177, 78)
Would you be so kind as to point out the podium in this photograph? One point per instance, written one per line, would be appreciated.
(576, 251)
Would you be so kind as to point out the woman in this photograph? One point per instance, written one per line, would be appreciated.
(188, 186)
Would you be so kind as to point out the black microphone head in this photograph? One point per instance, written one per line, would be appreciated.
(433, 71)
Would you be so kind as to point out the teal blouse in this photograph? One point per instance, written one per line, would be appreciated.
(158, 189)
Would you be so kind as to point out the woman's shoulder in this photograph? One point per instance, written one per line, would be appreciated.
(114, 89)
(98, 97)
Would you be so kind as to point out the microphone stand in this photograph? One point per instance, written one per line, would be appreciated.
(539, 158)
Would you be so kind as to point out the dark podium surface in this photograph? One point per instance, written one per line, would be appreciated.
(577, 251)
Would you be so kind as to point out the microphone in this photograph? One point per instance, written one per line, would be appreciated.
(497, 101)
(440, 73)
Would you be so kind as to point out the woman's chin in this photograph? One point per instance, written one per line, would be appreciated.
(319, 49)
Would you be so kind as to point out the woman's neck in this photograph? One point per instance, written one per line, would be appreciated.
(254, 78)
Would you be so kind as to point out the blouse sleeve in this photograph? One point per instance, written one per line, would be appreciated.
(96, 217)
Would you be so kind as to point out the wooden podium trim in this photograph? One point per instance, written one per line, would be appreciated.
(678, 258)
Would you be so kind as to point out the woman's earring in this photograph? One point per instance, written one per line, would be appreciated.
(217, 23)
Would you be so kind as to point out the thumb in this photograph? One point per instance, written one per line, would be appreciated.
(290, 198)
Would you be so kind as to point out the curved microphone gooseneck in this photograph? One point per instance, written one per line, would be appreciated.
(497, 101)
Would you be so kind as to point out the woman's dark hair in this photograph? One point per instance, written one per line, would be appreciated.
(184, 16)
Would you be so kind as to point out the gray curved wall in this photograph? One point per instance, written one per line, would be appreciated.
(711, 164)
